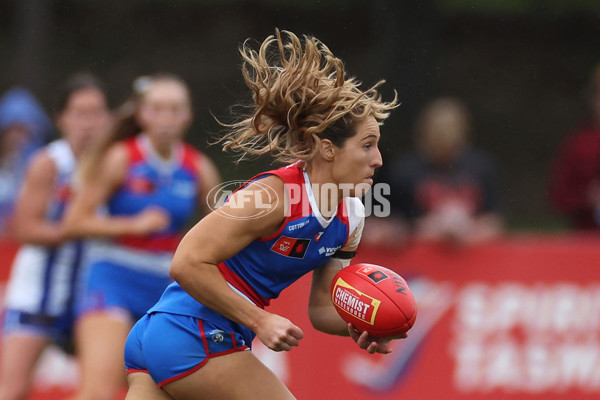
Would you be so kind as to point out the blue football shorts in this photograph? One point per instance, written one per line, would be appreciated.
(111, 286)
(172, 346)
(56, 328)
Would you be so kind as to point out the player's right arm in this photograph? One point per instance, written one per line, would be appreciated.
(82, 218)
(30, 223)
(219, 236)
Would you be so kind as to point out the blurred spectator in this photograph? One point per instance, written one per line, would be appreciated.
(575, 183)
(24, 126)
(445, 190)
(43, 280)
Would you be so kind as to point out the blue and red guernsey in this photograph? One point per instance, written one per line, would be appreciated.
(304, 242)
(151, 181)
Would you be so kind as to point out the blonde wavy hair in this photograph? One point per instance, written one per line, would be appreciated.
(301, 96)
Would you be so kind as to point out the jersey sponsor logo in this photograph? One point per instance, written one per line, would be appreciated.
(355, 302)
(318, 236)
(329, 251)
(299, 225)
(290, 247)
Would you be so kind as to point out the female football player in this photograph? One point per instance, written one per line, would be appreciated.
(138, 193)
(40, 294)
(277, 227)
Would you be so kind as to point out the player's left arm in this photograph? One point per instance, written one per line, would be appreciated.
(209, 178)
(321, 310)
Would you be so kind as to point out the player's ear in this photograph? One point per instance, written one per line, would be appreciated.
(327, 149)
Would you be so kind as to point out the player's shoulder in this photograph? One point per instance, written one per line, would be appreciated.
(42, 159)
(119, 152)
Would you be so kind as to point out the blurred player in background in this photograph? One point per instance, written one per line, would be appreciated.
(24, 127)
(240, 256)
(150, 183)
(575, 185)
(42, 285)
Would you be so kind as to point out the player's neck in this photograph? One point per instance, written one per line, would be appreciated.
(327, 193)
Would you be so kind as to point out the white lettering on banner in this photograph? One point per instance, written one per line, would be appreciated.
(527, 338)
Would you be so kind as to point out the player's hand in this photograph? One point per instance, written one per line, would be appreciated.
(279, 333)
(150, 220)
(371, 344)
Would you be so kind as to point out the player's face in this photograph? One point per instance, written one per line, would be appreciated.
(165, 113)
(85, 119)
(356, 161)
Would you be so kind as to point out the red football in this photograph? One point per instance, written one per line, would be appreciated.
(374, 299)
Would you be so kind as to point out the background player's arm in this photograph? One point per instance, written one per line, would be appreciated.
(30, 223)
(219, 236)
(82, 218)
(209, 178)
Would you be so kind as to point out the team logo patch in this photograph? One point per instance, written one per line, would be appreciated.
(373, 274)
(354, 302)
(217, 336)
(141, 185)
(290, 247)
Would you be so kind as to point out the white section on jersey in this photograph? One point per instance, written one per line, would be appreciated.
(135, 259)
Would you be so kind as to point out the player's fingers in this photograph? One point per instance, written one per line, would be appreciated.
(372, 347)
(296, 332)
(384, 347)
(363, 340)
(292, 341)
(280, 345)
(354, 333)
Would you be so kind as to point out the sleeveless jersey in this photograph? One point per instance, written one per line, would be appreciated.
(151, 181)
(43, 278)
(304, 242)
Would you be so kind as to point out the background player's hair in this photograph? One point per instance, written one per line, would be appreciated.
(75, 83)
(301, 96)
(126, 125)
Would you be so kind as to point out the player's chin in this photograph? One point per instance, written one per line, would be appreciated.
(361, 188)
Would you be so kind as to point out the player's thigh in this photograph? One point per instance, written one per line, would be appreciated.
(20, 354)
(101, 340)
(234, 376)
(143, 387)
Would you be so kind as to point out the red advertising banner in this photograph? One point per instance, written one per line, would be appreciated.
(513, 320)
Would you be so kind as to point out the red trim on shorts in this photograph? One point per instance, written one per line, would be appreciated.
(235, 346)
(183, 374)
(237, 282)
(134, 370)
(208, 356)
